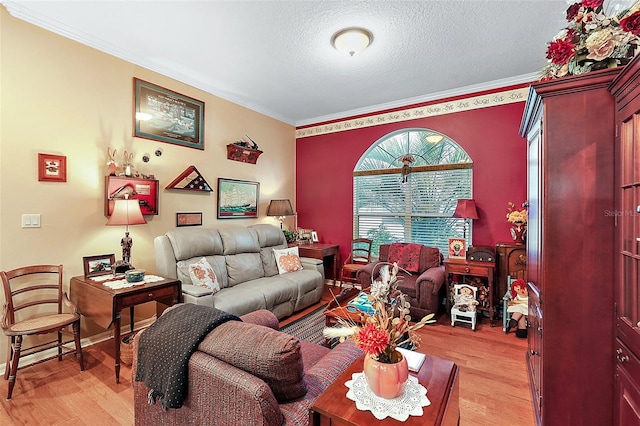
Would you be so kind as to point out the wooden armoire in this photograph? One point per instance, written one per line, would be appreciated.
(626, 92)
(569, 126)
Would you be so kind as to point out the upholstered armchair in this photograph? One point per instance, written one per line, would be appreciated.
(248, 373)
(423, 283)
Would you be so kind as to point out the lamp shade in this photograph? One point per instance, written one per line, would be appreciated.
(466, 209)
(126, 212)
(280, 208)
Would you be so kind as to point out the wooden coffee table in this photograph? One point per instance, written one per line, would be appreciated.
(439, 376)
(337, 308)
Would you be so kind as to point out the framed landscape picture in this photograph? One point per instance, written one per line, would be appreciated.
(98, 265)
(237, 199)
(167, 116)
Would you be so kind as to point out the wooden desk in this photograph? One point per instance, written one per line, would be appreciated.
(322, 252)
(104, 305)
(439, 376)
(474, 269)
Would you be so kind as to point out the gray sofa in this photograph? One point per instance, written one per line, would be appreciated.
(245, 266)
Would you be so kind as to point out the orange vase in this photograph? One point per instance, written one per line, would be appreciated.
(386, 380)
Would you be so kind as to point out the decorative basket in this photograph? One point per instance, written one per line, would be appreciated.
(126, 348)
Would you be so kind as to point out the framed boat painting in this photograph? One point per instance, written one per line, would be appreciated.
(237, 199)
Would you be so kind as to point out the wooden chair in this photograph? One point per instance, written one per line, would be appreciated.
(360, 256)
(36, 289)
(464, 309)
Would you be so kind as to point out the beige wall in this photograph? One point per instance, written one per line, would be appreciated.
(60, 97)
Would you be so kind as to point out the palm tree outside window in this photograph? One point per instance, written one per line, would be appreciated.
(406, 187)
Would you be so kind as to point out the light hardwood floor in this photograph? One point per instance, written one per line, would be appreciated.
(493, 381)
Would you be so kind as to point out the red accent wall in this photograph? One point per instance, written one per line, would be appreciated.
(325, 163)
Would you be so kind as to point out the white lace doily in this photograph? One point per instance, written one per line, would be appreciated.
(123, 283)
(410, 403)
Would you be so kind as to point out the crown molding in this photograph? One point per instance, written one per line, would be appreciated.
(433, 109)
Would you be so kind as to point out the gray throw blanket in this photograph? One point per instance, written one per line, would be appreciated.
(165, 347)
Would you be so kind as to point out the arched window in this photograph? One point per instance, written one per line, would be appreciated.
(399, 200)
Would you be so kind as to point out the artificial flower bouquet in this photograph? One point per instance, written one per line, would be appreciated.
(515, 216)
(379, 332)
(599, 35)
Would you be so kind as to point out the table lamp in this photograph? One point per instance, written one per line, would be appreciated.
(281, 209)
(466, 209)
(126, 212)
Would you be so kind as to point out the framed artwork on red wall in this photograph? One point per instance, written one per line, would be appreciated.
(457, 248)
(120, 187)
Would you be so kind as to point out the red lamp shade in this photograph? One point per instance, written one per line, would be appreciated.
(466, 209)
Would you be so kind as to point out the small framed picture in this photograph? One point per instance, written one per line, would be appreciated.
(52, 168)
(457, 248)
(98, 265)
(314, 236)
(188, 219)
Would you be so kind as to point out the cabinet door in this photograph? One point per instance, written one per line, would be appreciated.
(627, 387)
(628, 222)
(534, 354)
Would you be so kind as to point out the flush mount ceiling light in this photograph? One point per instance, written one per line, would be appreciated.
(351, 41)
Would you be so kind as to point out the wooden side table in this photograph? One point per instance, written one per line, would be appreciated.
(439, 376)
(473, 269)
(104, 305)
(322, 252)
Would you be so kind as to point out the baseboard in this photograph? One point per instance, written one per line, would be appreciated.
(86, 342)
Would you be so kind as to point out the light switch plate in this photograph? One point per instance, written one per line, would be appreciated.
(31, 220)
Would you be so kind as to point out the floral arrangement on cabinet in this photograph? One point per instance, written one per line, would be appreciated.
(518, 220)
(388, 326)
(601, 34)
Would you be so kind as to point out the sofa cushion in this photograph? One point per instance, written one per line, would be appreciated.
(239, 240)
(430, 257)
(287, 260)
(243, 267)
(269, 237)
(269, 260)
(239, 300)
(190, 243)
(202, 275)
(268, 354)
(218, 264)
(406, 255)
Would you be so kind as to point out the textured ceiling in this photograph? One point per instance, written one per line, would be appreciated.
(275, 56)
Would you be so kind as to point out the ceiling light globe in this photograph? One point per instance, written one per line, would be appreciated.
(352, 41)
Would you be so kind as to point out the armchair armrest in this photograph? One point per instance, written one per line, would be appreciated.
(262, 317)
(435, 276)
(364, 275)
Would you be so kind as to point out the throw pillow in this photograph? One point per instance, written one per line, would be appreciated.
(202, 275)
(287, 260)
(271, 355)
(406, 255)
